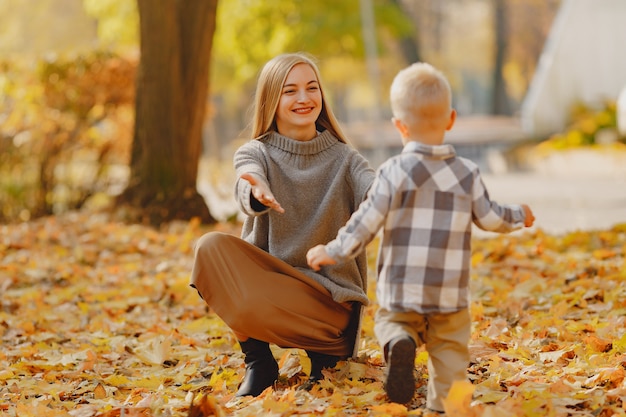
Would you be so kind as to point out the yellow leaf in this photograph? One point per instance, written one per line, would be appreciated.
(117, 380)
(369, 397)
(155, 351)
(89, 362)
(391, 409)
(6, 374)
(99, 392)
(84, 307)
(493, 396)
(458, 401)
(201, 325)
(279, 407)
(206, 406)
(559, 387)
(421, 358)
(337, 399)
(224, 378)
(477, 258)
(150, 382)
(620, 345)
(356, 370)
(603, 254)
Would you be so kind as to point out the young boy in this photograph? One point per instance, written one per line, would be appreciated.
(425, 199)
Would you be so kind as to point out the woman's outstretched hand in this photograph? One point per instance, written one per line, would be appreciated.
(317, 256)
(262, 193)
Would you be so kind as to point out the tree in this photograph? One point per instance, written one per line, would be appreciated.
(172, 92)
(252, 31)
(500, 102)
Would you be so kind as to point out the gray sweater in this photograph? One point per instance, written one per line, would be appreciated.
(319, 183)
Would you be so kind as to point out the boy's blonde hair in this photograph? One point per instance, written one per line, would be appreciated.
(269, 89)
(420, 90)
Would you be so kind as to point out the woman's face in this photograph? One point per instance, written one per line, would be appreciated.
(300, 104)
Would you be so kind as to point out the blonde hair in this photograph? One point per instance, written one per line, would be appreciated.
(269, 89)
(420, 90)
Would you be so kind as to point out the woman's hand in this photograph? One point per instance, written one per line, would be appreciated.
(262, 193)
(317, 256)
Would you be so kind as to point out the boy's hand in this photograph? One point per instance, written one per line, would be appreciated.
(530, 217)
(317, 256)
(262, 193)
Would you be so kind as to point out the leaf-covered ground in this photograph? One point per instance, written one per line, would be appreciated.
(97, 319)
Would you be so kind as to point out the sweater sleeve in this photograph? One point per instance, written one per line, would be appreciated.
(248, 159)
(362, 176)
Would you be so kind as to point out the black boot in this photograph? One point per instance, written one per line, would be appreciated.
(319, 361)
(261, 368)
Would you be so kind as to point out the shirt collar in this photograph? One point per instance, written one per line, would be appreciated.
(443, 151)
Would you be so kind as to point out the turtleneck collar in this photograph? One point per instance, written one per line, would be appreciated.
(319, 143)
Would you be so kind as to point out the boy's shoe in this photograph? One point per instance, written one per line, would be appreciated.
(400, 378)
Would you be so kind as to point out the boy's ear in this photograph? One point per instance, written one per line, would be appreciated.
(400, 127)
(452, 119)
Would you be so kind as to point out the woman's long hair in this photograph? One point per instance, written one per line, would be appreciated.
(269, 89)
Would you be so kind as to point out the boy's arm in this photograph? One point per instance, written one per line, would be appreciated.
(317, 256)
(494, 217)
(529, 220)
(360, 229)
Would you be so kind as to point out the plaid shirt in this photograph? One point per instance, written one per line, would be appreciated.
(426, 199)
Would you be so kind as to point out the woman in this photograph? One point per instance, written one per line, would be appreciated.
(298, 183)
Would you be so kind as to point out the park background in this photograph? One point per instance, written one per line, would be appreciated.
(116, 155)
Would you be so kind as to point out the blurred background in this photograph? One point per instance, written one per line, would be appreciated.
(536, 84)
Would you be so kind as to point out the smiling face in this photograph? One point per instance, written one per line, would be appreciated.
(300, 104)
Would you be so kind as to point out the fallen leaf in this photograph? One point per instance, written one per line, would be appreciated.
(458, 401)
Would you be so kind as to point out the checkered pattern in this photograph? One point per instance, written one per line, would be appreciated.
(425, 199)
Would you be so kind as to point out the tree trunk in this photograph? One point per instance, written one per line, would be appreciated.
(409, 45)
(172, 93)
(500, 102)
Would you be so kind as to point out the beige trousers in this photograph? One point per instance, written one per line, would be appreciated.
(446, 338)
(258, 295)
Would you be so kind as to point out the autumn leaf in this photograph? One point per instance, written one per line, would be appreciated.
(99, 392)
(206, 406)
(391, 410)
(458, 401)
(97, 320)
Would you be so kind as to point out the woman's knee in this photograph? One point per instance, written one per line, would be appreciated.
(211, 241)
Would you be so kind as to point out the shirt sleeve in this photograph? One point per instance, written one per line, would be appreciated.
(491, 216)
